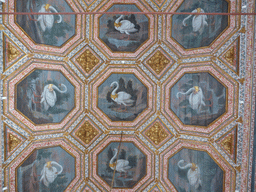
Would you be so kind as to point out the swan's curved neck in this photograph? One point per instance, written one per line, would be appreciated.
(184, 21)
(114, 91)
(112, 159)
(118, 19)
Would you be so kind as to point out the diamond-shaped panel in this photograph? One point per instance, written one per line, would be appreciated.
(158, 62)
(157, 133)
(87, 60)
(86, 132)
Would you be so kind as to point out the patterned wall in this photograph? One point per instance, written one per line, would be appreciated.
(136, 102)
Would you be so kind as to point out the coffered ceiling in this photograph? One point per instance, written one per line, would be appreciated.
(132, 102)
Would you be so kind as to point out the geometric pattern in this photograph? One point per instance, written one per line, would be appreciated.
(228, 142)
(12, 53)
(12, 140)
(231, 56)
(189, 91)
(86, 132)
(87, 60)
(157, 133)
(159, 62)
(155, 188)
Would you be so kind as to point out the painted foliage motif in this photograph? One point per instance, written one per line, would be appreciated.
(130, 165)
(195, 171)
(52, 30)
(198, 99)
(46, 170)
(196, 31)
(122, 97)
(124, 33)
(45, 96)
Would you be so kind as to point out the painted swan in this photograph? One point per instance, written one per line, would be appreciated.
(193, 174)
(198, 21)
(120, 97)
(124, 26)
(122, 165)
(196, 97)
(50, 172)
(48, 97)
(47, 21)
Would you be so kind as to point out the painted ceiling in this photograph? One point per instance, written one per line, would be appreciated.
(133, 102)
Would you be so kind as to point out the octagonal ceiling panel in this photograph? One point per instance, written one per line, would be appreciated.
(123, 96)
(132, 164)
(195, 167)
(200, 34)
(198, 101)
(47, 33)
(56, 164)
(46, 98)
(123, 35)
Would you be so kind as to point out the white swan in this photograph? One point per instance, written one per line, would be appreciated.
(196, 97)
(198, 21)
(193, 174)
(121, 165)
(47, 21)
(48, 97)
(50, 172)
(120, 97)
(124, 26)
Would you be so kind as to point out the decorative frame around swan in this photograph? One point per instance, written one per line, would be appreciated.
(77, 180)
(123, 54)
(231, 97)
(141, 183)
(12, 81)
(229, 172)
(94, 94)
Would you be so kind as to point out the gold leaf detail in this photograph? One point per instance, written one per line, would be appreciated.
(243, 30)
(86, 132)
(227, 144)
(158, 62)
(13, 142)
(12, 52)
(156, 133)
(87, 60)
(230, 55)
(240, 120)
(65, 59)
(241, 80)
(238, 168)
(2, 27)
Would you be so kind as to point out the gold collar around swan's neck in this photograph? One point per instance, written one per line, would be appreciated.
(193, 167)
(114, 96)
(198, 10)
(112, 165)
(118, 24)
